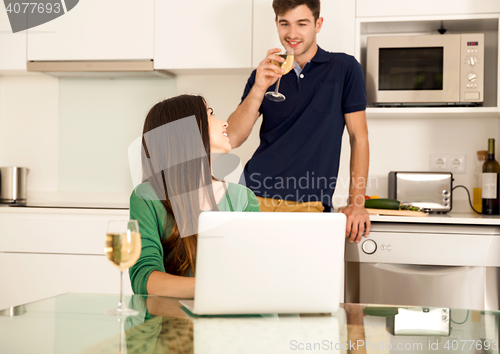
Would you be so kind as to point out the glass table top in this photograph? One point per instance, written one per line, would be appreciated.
(77, 323)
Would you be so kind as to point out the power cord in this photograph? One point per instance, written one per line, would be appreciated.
(470, 202)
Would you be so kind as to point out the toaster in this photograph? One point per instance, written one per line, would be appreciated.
(430, 191)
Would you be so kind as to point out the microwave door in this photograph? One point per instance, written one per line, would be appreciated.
(413, 69)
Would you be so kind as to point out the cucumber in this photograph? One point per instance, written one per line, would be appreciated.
(382, 203)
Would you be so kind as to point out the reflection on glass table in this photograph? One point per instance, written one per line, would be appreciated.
(76, 323)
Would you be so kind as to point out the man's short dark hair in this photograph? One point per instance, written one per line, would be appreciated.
(283, 6)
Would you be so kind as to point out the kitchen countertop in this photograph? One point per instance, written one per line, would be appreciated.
(122, 209)
(59, 201)
(104, 209)
(449, 218)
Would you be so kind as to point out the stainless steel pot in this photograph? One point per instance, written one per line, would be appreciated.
(13, 182)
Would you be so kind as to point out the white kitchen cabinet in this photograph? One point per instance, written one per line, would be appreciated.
(265, 34)
(339, 26)
(12, 46)
(336, 35)
(201, 34)
(97, 30)
(371, 8)
(45, 252)
(28, 277)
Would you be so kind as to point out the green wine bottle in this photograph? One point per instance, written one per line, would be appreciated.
(490, 176)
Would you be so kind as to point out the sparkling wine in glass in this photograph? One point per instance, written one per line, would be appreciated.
(123, 248)
(287, 65)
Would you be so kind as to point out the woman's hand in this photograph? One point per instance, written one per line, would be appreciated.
(164, 284)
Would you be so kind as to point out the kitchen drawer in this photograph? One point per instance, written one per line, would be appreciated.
(49, 232)
(30, 277)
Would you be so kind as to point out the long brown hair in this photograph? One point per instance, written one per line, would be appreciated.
(177, 165)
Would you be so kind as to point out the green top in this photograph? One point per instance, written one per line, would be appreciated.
(146, 207)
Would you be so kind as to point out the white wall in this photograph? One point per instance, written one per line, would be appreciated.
(406, 144)
(73, 134)
(223, 93)
(98, 119)
(29, 128)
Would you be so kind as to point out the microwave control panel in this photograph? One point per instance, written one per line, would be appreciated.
(472, 67)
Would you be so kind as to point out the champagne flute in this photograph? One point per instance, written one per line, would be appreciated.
(123, 248)
(287, 65)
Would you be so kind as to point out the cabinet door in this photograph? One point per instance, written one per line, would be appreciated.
(336, 35)
(31, 277)
(47, 232)
(12, 45)
(97, 30)
(371, 8)
(200, 34)
(265, 33)
(338, 31)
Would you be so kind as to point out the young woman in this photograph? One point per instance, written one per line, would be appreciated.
(180, 134)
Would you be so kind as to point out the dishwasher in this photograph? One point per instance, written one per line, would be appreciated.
(424, 264)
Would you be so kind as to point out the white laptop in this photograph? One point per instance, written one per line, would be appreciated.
(262, 263)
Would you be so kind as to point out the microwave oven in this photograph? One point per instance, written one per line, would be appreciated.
(435, 70)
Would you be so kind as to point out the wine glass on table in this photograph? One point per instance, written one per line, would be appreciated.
(123, 248)
(287, 65)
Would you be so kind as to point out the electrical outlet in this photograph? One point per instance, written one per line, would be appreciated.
(439, 162)
(456, 163)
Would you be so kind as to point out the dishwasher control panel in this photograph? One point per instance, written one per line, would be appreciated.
(369, 246)
(426, 249)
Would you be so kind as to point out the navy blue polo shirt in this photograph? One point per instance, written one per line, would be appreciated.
(301, 137)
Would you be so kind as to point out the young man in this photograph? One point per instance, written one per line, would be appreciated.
(296, 165)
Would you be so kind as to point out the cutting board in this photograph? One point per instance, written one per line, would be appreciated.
(396, 212)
